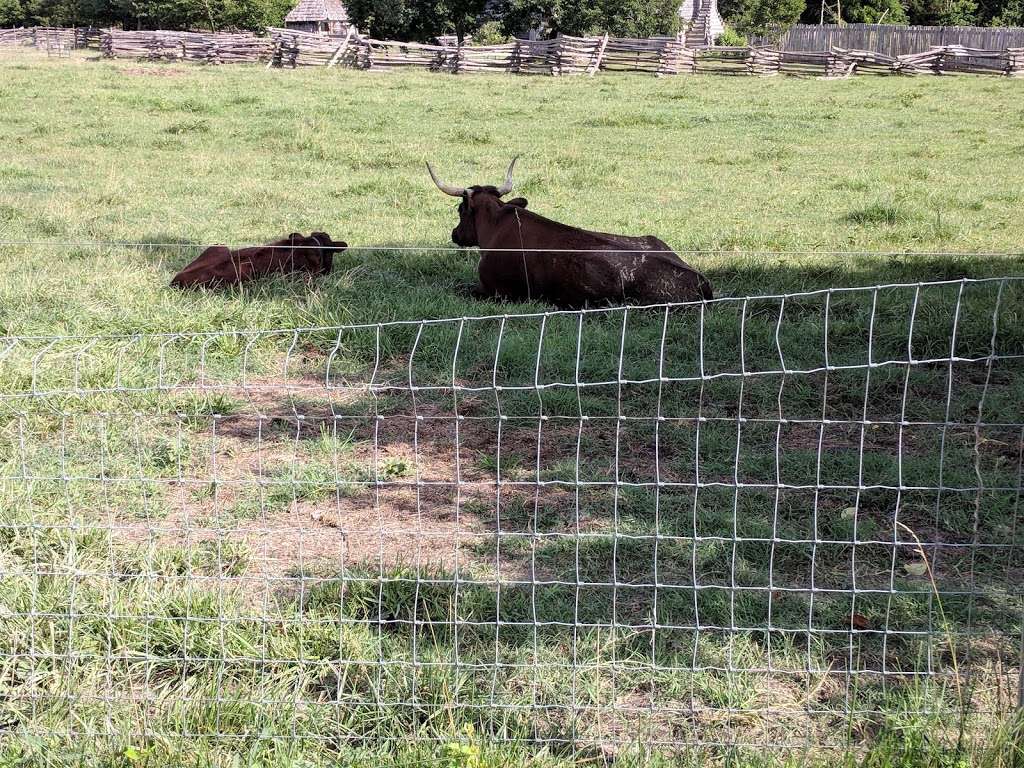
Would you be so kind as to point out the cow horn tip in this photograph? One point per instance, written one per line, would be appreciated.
(448, 189)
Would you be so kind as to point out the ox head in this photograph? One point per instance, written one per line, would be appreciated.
(328, 248)
(472, 199)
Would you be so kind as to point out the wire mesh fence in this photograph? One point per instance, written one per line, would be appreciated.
(767, 521)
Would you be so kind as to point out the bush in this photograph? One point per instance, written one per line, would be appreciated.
(490, 33)
(731, 38)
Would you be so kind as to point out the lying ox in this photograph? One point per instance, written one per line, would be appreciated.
(219, 265)
(526, 256)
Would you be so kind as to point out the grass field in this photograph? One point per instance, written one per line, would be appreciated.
(172, 588)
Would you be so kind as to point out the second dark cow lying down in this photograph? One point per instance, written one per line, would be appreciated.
(219, 265)
(526, 256)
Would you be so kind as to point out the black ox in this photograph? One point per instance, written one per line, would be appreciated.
(526, 256)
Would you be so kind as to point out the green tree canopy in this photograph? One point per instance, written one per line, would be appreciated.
(415, 20)
(11, 13)
(874, 12)
(622, 18)
(1010, 15)
(765, 17)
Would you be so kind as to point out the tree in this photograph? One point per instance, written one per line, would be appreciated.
(873, 12)
(766, 17)
(461, 17)
(958, 13)
(419, 20)
(554, 17)
(240, 14)
(1010, 15)
(942, 12)
(640, 18)
(274, 12)
(380, 18)
(622, 18)
(11, 13)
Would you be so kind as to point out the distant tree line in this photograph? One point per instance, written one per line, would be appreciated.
(758, 16)
(145, 14)
(495, 20)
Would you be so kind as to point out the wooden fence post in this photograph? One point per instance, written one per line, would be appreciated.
(595, 65)
(555, 56)
(341, 49)
(1015, 68)
(763, 62)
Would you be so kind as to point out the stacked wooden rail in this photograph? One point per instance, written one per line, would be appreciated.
(88, 37)
(939, 60)
(205, 48)
(656, 55)
(45, 38)
(803, 63)
(19, 36)
(764, 62)
(1015, 62)
(564, 55)
(53, 39)
(891, 39)
(723, 60)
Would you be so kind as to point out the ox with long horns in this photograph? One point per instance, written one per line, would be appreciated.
(526, 256)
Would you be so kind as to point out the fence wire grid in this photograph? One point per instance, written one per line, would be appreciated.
(767, 521)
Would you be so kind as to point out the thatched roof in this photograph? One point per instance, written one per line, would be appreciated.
(317, 10)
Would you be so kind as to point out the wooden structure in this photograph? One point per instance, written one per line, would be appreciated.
(53, 40)
(318, 16)
(892, 40)
(204, 48)
(764, 62)
(658, 56)
(563, 55)
(17, 36)
(1015, 62)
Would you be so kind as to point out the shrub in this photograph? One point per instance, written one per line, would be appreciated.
(490, 33)
(730, 37)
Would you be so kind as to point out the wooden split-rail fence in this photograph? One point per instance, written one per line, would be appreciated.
(658, 56)
(561, 56)
(893, 40)
(564, 55)
(53, 40)
(200, 47)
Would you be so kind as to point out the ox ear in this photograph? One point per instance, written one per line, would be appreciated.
(518, 202)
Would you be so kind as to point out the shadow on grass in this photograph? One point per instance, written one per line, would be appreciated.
(398, 280)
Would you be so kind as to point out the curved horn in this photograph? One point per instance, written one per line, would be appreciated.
(505, 188)
(448, 189)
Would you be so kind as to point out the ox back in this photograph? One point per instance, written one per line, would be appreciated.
(528, 257)
(219, 265)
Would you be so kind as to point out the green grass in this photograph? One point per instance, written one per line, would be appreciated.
(244, 155)
(166, 650)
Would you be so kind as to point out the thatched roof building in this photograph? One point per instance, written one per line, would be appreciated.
(328, 16)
